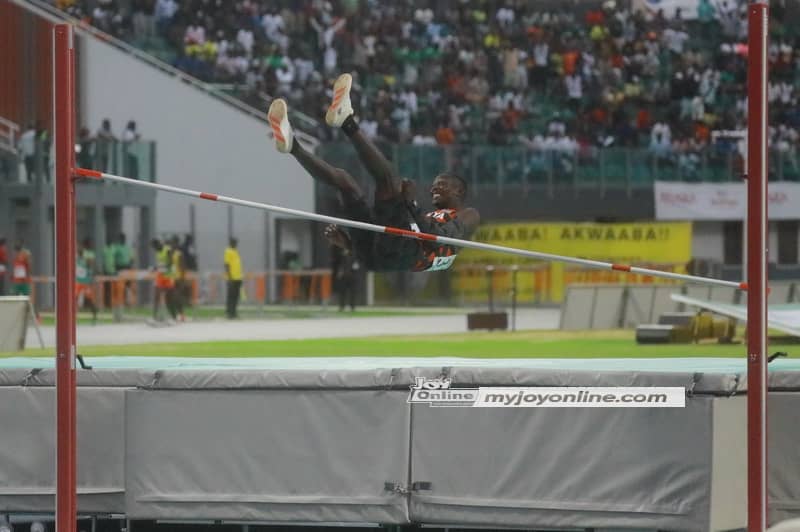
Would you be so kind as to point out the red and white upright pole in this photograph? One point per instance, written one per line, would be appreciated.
(757, 238)
(64, 130)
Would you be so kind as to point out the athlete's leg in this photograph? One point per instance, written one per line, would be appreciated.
(320, 170)
(326, 173)
(340, 114)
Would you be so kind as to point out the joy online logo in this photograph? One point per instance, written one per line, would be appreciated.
(437, 392)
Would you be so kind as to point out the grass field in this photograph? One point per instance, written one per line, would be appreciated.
(527, 344)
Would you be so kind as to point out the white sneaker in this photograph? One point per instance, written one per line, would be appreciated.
(278, 117)
(341, 107)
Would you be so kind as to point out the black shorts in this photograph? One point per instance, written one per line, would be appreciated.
(363, 241)
(382, 252)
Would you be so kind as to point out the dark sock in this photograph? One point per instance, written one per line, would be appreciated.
(350, 126)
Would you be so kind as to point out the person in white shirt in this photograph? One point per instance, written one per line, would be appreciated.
(131, 161)
(27, 149)
(285, 75)
(246, 39)
(574, 85)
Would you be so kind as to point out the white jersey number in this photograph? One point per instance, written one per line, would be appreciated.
(441, 263)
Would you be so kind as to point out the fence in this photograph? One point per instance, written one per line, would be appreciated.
(464, 285)
(135, 159)
(473, 284)
(134, 288)
(9, 133)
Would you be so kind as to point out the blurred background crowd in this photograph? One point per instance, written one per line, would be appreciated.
(555, 75)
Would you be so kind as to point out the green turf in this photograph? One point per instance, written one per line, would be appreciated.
(529, 344)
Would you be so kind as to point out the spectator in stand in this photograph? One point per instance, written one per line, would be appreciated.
(27, 149)
(43, 146)
(143, 17)
(418, 59)
(131, 159)
(164, 12)
(104, 146)
(84, 148)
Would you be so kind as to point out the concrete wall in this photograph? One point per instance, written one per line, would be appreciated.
(707, 241)
(202, 143)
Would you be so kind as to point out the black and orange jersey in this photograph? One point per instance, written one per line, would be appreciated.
(434, 256)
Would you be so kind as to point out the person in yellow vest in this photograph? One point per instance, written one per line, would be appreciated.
(178, 272)
(233, 278)
(163, 282)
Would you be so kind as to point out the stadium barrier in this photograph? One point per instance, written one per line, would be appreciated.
(467, 284)
(614, 306)
(132, 288)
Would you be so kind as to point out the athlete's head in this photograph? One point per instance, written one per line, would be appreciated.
(448, 191)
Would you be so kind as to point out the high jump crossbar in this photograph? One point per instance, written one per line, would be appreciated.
(94, 174)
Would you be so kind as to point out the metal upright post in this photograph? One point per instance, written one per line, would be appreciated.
(64, 128)
(757, 173)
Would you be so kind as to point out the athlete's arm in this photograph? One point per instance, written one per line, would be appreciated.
(462, 226)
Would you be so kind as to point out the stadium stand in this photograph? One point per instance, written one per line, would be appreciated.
(553, 76)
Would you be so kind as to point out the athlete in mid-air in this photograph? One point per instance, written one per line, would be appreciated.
(394, 204)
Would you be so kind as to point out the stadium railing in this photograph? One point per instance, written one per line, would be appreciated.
(130, 292)
(517, 168)
(133, 159)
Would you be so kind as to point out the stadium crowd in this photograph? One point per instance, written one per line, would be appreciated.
(551, 75)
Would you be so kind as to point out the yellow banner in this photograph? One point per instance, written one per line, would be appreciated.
(648, 244)
(655, 242)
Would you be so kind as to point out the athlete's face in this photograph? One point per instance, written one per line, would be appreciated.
(445, 192)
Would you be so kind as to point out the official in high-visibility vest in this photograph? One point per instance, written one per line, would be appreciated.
(178, 274)
(233, 276)
(163, 282)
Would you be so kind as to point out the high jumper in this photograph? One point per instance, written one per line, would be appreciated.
(394, 203)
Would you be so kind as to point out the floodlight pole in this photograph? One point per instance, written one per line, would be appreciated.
(757, 238)
(64, 130)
